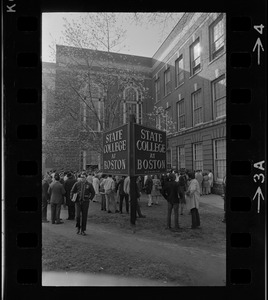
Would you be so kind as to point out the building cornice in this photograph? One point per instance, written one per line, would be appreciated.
(220, 121)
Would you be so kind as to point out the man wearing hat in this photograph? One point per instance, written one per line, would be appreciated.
(68, 184)
(85, 193)
(171, 194)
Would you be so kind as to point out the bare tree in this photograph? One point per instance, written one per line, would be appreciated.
(89, 84)
(161, 119)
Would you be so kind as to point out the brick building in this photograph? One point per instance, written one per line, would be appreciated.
(94, 91)
(189, 76)
(186, 76)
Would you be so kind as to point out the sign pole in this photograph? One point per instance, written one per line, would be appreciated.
(133, 196)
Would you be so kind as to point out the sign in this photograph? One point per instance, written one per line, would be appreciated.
(115, 151)
(148, 153)
(149, 150)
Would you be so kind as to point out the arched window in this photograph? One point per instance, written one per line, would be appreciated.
(132, 104)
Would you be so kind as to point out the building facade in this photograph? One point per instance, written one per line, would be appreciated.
(186, 77)
(94, 91)
(189, 77)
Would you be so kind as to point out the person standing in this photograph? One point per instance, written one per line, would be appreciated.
(122, 195)
(199, 178)
(96, 186)
(45, 196)
(102, 192)
(156, 190)
(205, 184)
(148, 189)
(193, 198)
(68, 185)
(85, 193)
(117, 196)
(89, 178)
(171, 194)
(210, 180)
(182, 190)
(56, 191)
(109, 188)
(138, 193)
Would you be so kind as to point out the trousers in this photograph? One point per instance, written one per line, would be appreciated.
(55, 212)
(175, 207)
(103, 202)
(195, 218)
(110, 199)
(122, 197)
(81, 209)
(71, 211)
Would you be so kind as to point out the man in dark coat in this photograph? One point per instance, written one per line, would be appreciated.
(56, 192)
(171, 194)
(122, 195)
(68, 184)
(45, 197)
(148, 186)
(85, 193)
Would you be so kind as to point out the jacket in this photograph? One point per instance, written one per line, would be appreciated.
(88, 194)
(56, 192)
(120, 186)
(193, 195)
(171, 191)
(148, 186)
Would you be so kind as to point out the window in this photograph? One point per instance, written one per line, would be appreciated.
(216, 33)
(179, 71)
(157, 90)
(198, 156)
(195, 56)
(181, 157)
(167, 82)
(220, 159)
(181, 114)
(197, 108)
(219, 97)
(132, 104)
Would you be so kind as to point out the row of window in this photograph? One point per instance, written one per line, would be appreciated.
(219, 158)
(197, 107)
(93, 111)
(217, 42)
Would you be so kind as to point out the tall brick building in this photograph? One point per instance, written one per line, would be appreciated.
(186, 76)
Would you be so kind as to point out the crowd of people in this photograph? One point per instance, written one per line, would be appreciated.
(182, 189)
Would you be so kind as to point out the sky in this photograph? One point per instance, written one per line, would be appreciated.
(142, 39)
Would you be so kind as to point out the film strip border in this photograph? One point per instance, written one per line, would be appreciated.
(246, 173)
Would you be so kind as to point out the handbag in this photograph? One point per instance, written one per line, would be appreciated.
(74, 197)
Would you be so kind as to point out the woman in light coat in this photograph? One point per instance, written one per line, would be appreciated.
(210, 180)
(193, 198)
(96, 186)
